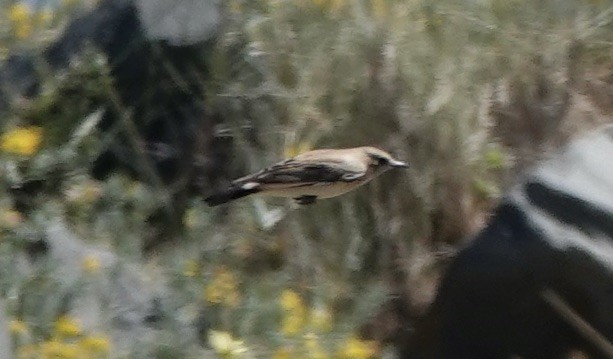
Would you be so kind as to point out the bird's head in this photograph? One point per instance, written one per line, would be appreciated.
(380, 160)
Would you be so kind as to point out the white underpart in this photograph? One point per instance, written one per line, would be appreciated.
(250, 185)
(564, 236)
(320, 190)
(582, 171)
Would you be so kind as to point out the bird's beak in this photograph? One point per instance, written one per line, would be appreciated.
(399, 164)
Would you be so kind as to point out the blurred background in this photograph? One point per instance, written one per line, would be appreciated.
(118, 116)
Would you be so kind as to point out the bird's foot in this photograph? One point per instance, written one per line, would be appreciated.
(305, 200)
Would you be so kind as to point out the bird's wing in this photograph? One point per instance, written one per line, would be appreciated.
(298, 173)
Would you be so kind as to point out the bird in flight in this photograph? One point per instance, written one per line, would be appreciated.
(311, 175)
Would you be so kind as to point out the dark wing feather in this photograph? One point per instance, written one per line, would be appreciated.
(298, 172)
(229, 194)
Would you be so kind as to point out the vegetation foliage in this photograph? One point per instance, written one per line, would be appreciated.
(467, 92)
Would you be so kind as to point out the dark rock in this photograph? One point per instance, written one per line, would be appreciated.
(553, 233)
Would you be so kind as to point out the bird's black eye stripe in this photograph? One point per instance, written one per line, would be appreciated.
(379, 161)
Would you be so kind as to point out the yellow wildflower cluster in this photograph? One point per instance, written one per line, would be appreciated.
(298, 319)
(223, 289)
(191, 268)
(22, 141)
(294, 312)
(18, 327)
(225, 345)
(91, 264)
(355, 348)
(67, 342)
(23, 20)
(66, 327)
(311, 348)
(283, 353)
(352, 348)
(20, 17)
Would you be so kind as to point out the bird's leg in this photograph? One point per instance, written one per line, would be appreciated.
(304, 200)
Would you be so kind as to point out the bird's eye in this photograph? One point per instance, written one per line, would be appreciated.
(380, 161)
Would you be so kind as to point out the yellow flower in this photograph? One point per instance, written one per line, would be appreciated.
(290, 300)
(292, 324)
(190, 268)
(59, 350)
(294, 312)
(19, 12)
(22, 141)
(355, 348)
(23, 30)
(321, 319)
(223, 289)
(213, 294)
(20, 17)
(18, 327)
(91, 264)
(95, 344)
(65, 326)
(283, 353)
(223, 343)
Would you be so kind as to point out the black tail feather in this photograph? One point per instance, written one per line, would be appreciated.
(228, 195)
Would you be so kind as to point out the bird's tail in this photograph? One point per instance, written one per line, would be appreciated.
(229, 194)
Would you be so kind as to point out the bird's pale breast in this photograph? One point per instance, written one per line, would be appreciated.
(320, 190)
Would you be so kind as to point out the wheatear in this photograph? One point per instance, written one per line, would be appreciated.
(312, 175)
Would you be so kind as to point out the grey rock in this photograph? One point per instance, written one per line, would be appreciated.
(119, 299)
(180, 22)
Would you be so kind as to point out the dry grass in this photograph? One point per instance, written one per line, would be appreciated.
(469, 93)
